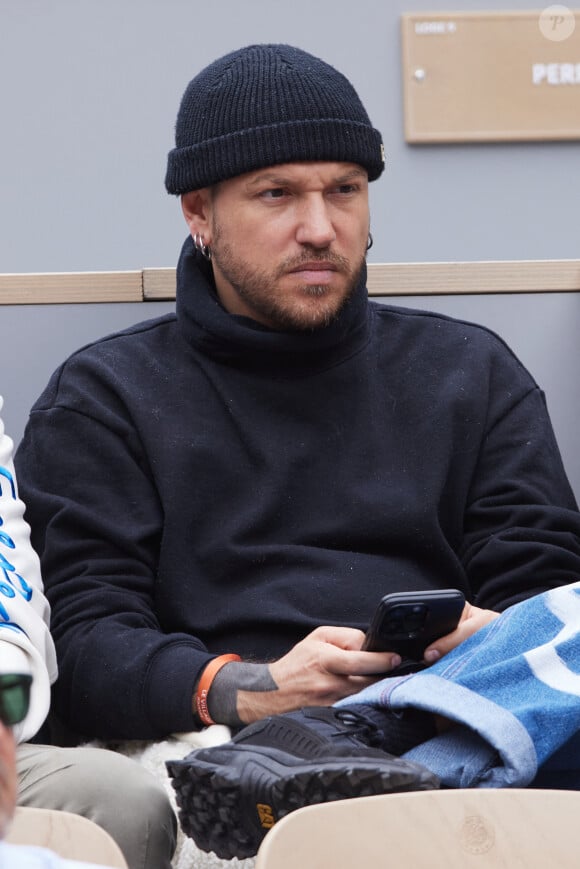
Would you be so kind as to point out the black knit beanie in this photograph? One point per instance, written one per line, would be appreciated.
(263, 105)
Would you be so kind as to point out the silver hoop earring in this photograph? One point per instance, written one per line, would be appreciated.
(369, 242)
(203, 248)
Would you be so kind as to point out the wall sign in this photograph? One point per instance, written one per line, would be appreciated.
(492, 76)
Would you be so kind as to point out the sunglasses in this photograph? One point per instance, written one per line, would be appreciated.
(14, 697)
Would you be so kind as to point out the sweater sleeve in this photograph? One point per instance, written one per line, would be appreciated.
(26, 645)
(521, 525)
(97, 522)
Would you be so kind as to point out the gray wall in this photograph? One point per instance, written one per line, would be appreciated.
(88, 96)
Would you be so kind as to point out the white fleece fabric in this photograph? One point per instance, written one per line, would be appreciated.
(153, 755)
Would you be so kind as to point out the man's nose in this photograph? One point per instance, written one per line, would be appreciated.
(315, 226)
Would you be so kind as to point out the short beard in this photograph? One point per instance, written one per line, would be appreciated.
(253, 286)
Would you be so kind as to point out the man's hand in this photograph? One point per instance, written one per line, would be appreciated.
(324, 667)
(472, 619)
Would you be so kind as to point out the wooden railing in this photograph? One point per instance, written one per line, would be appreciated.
(384, 279)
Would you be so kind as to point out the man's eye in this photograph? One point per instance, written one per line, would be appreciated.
(274, 193)
(346, 188)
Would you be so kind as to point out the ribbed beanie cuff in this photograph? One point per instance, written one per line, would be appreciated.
(264, 105)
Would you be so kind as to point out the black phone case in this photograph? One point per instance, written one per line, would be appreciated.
(408, 622)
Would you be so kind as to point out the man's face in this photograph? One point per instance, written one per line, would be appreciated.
(7, 777)
(288, 242)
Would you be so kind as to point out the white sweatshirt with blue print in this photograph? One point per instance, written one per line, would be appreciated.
(26, 645)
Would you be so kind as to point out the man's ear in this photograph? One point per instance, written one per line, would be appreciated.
(196, 207)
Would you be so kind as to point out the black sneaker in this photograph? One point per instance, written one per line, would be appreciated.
(230, 795)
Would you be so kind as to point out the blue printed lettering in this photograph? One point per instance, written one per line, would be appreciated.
(5, 564)
(11, 627)
(4, 472)
(4, 615)
(4, 538)
(25, 590)
(10, 587)
(7, 588)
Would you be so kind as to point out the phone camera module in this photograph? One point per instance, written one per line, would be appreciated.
(415, 619)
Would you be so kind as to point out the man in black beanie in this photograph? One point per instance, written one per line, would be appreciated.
(263, 107)
(246, 478)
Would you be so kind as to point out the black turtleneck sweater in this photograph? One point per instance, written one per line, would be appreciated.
(199, 484)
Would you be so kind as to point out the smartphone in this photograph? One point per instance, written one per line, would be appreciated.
(409, 621)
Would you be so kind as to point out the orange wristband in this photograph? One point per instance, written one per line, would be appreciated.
(205, 683)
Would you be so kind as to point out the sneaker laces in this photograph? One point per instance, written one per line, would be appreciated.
(358, 725)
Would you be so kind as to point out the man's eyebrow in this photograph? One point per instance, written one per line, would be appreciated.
(283, 180)
(351, 176)
(269, 177)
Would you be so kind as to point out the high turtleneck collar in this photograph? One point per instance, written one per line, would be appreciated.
(245, 343)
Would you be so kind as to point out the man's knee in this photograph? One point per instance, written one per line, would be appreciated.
(114, 791)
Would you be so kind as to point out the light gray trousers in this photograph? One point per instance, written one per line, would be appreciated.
(110, 789)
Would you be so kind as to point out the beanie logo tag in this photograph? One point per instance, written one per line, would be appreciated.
(382, 154)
